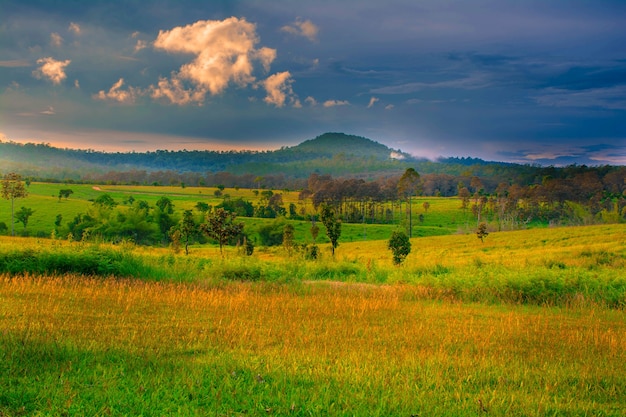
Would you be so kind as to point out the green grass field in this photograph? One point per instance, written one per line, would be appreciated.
(528, 323)
(443, 217)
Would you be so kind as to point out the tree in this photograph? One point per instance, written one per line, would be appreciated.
(400, 246)
(407, 187)
(66, 193)
(288, 238)
(221, 227)
(188, 228)
(332, 224)
(23, 215)
(481, 232)
(12, 188)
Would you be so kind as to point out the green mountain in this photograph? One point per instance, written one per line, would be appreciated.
(330, 144)
(330, 153)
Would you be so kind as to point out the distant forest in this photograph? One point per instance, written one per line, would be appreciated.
(341, 169)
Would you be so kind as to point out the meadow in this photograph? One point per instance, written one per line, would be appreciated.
(443, 217)
(528, 323)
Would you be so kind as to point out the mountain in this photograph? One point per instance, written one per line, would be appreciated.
(330, 153)
(330, 144)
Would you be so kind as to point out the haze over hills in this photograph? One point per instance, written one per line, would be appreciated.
(337, 154)
(332, 153)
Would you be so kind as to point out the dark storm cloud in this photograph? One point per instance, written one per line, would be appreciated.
(533, 81)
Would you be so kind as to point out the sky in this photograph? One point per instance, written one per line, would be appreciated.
(535, 81)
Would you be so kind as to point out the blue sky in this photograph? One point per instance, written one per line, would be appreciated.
(522, 81)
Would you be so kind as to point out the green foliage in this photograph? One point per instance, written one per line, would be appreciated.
(65, 193)
(221, 227)
(23, 214)
(12, 188)
(332, 224)
(272, 234)
(400, 246)
(91, 261)
(239, 206)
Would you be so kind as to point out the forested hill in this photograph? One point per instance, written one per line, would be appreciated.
(335, 154)
(330, 153)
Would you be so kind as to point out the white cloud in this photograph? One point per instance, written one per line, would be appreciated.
(373, 101)
(174, 91)
(304, 28)
(56, 39)
(51, 69)
(225, 52)
(310, 101)
(389, 106)
(333, 103)
(278, 87)
(116, 93)
(74, 28)
(76, 84)
(49, 111)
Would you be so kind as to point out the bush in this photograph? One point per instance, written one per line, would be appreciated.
(400, 246)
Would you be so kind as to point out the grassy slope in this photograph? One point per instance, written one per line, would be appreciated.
(443, 217)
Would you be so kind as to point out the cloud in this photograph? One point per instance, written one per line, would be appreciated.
(56, 39)
(304, 28)
(51, 69)
(333, 103)
(174, 91)
(74, 28)
(140, 45)
(310, 101)
(472, 82)
(373, 101)
(76, 84)
(389, 106)
(278, 87)
(15, 63)
(225, 52)
(49, 111)
(116, 93)
(613, 98)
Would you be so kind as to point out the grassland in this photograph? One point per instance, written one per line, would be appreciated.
(443, 217)
(530, 323)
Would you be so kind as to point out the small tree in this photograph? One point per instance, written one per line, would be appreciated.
(23, 215)
(188, 229)
(333, 226)
(66, 193)
(12, 188)
(288, 238)
(221, 227)
(400, 246)
(481, 232)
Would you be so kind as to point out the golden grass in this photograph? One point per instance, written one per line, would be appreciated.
(368, 340)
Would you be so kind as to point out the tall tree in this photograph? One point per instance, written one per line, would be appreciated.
(407, 187)
(12, 188)
(221, 226)
(332, 224)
